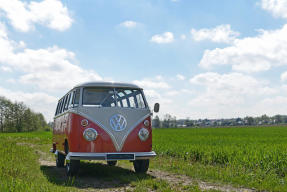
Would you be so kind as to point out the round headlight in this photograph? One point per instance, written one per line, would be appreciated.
(143, 134)
(90, 134)
(146, 123)
(84, 122)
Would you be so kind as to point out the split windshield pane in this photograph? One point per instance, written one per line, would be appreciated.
(132, 98)
(100, 97)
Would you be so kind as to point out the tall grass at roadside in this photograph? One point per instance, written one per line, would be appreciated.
(19, 165)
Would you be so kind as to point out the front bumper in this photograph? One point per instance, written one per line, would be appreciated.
(108, 156)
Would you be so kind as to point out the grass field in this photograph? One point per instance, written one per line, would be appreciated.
(21, 155)
(253, 157)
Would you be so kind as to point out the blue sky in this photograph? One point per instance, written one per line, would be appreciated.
(199, 59)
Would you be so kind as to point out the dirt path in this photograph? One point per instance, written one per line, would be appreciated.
(185, 180)
(90, 183)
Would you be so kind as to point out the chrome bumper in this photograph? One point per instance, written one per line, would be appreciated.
(103, 156)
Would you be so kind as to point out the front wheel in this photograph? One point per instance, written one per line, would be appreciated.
(72, 167)
(60, 160)
(141, 166)
(112, 163)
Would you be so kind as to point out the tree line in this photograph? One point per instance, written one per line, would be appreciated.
(17, 117)
(171, 121)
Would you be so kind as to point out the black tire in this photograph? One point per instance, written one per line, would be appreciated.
(72, 167)
(111, 163)
(141, 166)
(60, 160)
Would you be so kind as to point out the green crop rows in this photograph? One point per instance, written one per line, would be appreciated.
(249, 156)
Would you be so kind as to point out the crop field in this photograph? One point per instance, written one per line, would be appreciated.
(250, 157)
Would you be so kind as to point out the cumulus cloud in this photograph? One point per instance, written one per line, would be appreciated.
(48, 69)
(278, 8)
(251, 54)
(234, 83)
(229, 95)
(166, 37)
(219, 34)
(152, 84)
(129, 24)
(23, 15)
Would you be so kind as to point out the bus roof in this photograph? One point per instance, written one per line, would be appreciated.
(108, 84)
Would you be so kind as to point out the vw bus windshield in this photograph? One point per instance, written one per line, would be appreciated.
(100, 97)
(132, 98)
(105, 97)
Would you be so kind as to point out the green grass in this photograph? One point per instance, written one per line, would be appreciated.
(20, 170)
(19, 165)
(252, 157)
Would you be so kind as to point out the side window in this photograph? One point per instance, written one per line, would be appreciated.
(67, 101)
(57, 109)
(64, 104)
(61, 106)
(71, 100)
(76, 99)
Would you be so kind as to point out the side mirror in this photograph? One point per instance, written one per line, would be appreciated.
(156, 107)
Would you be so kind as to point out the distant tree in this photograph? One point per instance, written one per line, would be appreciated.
(188, 122)
(249, 120)
(16, 117)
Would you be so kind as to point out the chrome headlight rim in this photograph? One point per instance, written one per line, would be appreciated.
(84, 122)
(146, 123)
(143, 134)
(90, 134)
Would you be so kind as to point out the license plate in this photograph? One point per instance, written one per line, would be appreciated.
(118, 156)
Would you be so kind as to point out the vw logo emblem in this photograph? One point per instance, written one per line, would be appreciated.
(118, 122)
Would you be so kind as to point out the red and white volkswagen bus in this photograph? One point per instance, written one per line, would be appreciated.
(103, 121)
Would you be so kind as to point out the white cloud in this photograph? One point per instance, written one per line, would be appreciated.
(23, 15)
(51, 70)
(155, 97)
(219, 34)
(173, 93)
(278, 8)
(38, 101)
(251, 54)
(234, 83)
(166, 37)
(152, 84)
(48, 69)
(180, 77)
(129, 24)
(229, 95)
